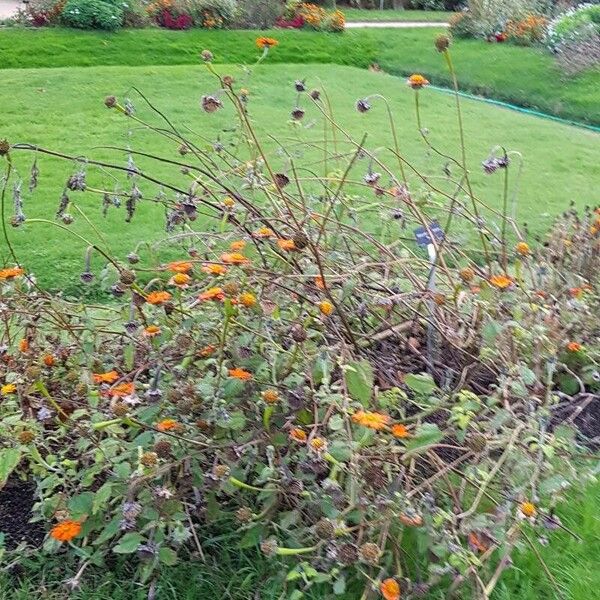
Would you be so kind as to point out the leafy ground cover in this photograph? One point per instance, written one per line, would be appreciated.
(428, 16)
(237, 575)
(76, 120)
(525, 76)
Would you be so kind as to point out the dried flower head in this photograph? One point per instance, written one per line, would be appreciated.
(206, 56)
(442, 42)
(370, 553)
(362, 105)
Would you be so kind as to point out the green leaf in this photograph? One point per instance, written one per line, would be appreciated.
(102, 497)
(9, 459)
(339, 585)
(421, 384)
(336, 423)
(252, 537)
(360, 381)
(426, 436)
(81, 505)
(128, 543)
(167, 556)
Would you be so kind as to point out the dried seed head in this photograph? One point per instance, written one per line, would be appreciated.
(442, 42)
(347, 554)
(26, 436)
(269, 547)
(300, 86)
(325, 529)
(221, 471)
(298, 114)
(131, 510)
(118, 408)
(117, 291)
(133, 258)
(67, 218)
(4, 147)
(110, 101)
(87, 277)
(300, 240)
(184, 149)
(244, 514)
(370, 553)
(298, 333)
(362, 105)
(127, 276)
(315, 94)
(163, 448)
(281, 179)
(206, 55)
(227, 80)
(477, 442)
(211, 104)
(231, 288)
(149, 459)
(467, 274)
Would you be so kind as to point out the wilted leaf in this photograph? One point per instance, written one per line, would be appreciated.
(360, 379)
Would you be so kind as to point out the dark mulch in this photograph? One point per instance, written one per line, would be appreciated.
(16, 501)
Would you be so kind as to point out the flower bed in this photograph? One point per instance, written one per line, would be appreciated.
(301, 377)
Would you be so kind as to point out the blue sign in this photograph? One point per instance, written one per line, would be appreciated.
(422, 235)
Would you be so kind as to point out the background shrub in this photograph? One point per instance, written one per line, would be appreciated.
(45, 12)
(135, 14)
(579, 55)
(212, 13)
(93, 14)
(578, 23)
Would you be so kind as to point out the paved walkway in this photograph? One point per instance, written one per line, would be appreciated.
(392, 24)
(8, 8)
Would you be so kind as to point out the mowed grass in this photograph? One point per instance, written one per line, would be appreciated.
(63, 109)
(524, 76)
(231, 574)
(428, 16)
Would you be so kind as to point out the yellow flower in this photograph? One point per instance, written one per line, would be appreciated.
(287, 245)
(237, 245)
(240, 374)
(372, 420)
(167, 425)
(266, 42)
(8, 388)
(528, 509)
(109, 377)
(264, 232)
(180, 280)
(214, 293)
(158, 298)
(234, 258)
(247, 299)
(180, 266)
(11, 273)
(270, 396)
(326, 307)
(214, 269)
(228, 202)
(298, 435)
(65, 531)
(522, 248)
(501, 281)
(390, 589)
(152, 331)
(318, 444)
(400, 431)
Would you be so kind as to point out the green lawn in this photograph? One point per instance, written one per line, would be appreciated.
(234, 575)
(525, 76)
(430, 16)
(63, 108)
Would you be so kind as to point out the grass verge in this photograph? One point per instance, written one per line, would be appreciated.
(524, 76)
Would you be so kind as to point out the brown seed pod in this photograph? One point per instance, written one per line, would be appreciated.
(324, 529)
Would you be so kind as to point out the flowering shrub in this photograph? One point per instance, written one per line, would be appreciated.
(45, 12)
(313, 16)
(301, 378)
(527, 31)
(578, 55)
(93, 14)
(578, 23)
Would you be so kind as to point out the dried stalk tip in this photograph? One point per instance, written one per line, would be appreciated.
(206, 56)
(4, 147)
(442, 43)
(110, 101)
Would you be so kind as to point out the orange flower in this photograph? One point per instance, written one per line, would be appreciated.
(287, 245)
(237, 245)
(49, 360)
(266, 42)
(180, 266)
(400, 431)
(122, 389)
(576, 292)
(109, 377)
(240, 374)
(477, 542)
(528, 509)
(180, 280)
(522, 248)
(390, 589)
(372, 420)
(411, 519)
(320, 282)
(11, 273)
(158, 297)
(23, 345)
(416, 81)
(207, 351)
(248, 299)
(270, 396)
(298, 435)
(574, 347)
(501, 281)
(214, 269)
(264, 232)
(214, 293)
(326, 307)
(152, 331)
(234, 258)
(65, 531)
(167, 425)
